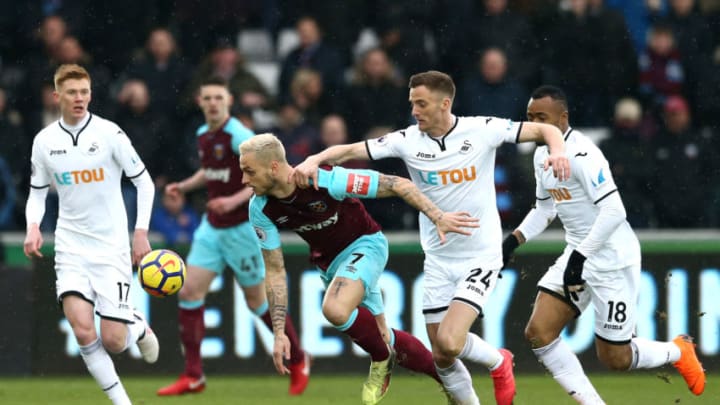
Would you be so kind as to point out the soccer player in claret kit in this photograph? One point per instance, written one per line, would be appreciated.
(452, 160)
(224, 238)
(600, 266)
(346, 245)
(84, 156)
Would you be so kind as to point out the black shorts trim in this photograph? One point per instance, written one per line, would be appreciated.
(561, 298)
(613, 342)
(112, 318)
(434, 310)
(75, 293)
(472, 304)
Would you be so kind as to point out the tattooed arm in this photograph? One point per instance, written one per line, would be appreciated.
(394, 186)
(276, 289)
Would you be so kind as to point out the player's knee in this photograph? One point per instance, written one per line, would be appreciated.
(537, 336)
(84, 335)
(335, 314)
(448, 346)
(114, 342)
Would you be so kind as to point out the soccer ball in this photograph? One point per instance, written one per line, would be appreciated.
(161, 273)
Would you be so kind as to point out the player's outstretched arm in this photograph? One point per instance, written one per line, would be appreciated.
(307, 171)
(457, 222)
(553, 138)
(276, 289)
(193, 182)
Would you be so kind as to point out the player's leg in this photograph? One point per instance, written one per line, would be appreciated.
(241, 251)
(615, 316)
(76, 295)
(440, 288)
(551, 312)
(120, 325)
(352, 279)
(204, 263)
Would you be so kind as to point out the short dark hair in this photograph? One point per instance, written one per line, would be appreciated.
(213, 81)
(553, 92)
(434, 81)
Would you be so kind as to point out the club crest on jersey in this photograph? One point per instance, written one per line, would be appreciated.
(467, 147)
(318, 206)
(358, 184)
(219, 151)
(93, 149)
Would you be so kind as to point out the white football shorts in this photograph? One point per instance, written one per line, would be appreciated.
(104, 281)
(450, 279)
(613, 294)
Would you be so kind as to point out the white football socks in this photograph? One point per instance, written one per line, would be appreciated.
(457, 381)
(651, 354)
(480, 351)
(134, 332)
(566, 369)
(101, 367)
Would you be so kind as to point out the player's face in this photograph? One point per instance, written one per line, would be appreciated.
(73, 96)
(546, 110)
(215, 102)
(256, 175)
(428, 108)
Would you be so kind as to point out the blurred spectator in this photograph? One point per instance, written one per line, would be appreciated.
(150, 133)
(297, 135)
(225, 61)
(497, 27)
(577, 41)
(333, 131)
(377, 96)
(661, 70)
(490, 91)
(164, 72)
(631, 162)
(174, 219)
(403, 27)
(682, 159)
(14, 171)
(314, 54)
(71, 51)
(309, 95)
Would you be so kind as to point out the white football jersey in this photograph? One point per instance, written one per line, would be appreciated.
(575, 200)
(86, 164)
(456, 172)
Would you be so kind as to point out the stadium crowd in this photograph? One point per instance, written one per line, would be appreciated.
(319, 73)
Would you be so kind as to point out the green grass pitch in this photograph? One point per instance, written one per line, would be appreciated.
(664, 387)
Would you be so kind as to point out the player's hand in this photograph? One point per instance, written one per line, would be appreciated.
(221, 205)
(173, 189)
(572, 279)
(509, 245)
(140, 245)
(560, 165)
(455, 222)
(281, 353)
(304, 173)
(33, 242)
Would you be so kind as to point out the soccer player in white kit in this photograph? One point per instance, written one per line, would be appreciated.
(452, 160)
(600, 265)
(84, 156)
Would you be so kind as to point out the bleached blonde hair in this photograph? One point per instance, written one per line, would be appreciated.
(266, 147)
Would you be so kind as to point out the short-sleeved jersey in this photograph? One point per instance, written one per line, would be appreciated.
(456, 171)
(86, 167)
(219, 157)
(328, 219)
(575, 200)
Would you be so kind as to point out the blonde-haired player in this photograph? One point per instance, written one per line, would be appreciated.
(84, 156)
